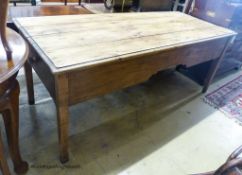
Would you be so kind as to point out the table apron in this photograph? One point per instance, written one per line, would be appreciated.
(43, 71)
(105, 78)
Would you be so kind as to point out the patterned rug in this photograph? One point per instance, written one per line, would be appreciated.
(228, 99)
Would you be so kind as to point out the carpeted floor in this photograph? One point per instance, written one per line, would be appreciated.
(228, 99)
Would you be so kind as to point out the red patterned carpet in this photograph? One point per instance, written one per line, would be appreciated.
(228, 99)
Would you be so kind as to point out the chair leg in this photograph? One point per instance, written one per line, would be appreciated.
(3, 161)
(11, 120)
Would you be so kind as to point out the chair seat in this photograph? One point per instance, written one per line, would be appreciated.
(9, 67)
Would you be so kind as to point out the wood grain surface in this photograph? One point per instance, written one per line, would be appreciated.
(11, 65)
(78, 41)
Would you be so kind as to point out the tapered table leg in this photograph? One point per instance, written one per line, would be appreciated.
(62, 115)
(29, 82)
(214, 67)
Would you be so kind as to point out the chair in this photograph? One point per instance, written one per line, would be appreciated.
(13, 54)
(233, 165)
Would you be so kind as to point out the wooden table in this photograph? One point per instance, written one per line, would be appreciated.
(45, 10)
(79, 57)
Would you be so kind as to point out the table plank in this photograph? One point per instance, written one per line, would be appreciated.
(67, 19)
(119, 49)
(92, 39)
(138, 26)
(55, 27)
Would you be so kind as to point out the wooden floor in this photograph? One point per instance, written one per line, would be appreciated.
(137, 131)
